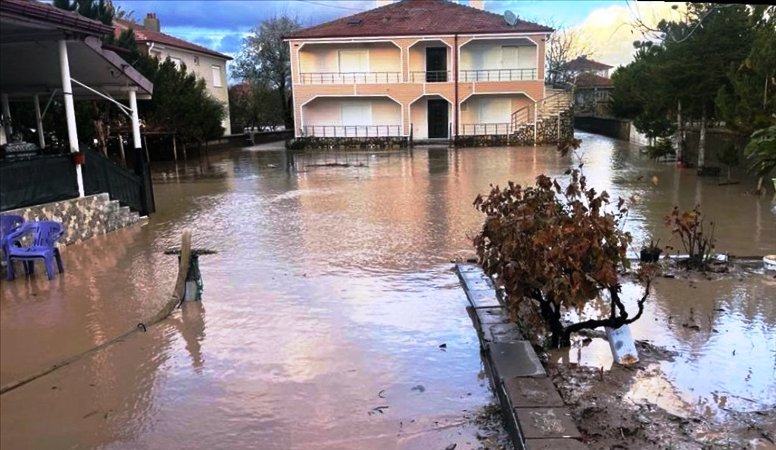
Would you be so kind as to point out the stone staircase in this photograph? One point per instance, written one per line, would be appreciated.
(83, 217)
(552, 116)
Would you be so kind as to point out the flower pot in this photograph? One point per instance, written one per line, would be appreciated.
(79, 158)
(649, 255)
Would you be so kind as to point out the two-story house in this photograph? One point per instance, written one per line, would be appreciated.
(592, 85)
(432, 69)
(207, 64)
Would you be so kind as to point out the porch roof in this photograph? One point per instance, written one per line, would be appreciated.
(29, 58)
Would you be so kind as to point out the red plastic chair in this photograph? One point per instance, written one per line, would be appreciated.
(44, 246)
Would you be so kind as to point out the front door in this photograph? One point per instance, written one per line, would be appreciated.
(437, 119)
(436, 64)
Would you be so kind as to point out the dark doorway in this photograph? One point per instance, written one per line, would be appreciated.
(436, 64)
(437, 119)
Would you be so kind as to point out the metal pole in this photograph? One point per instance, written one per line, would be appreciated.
(175, 146)
(67, 92)
(39, 120)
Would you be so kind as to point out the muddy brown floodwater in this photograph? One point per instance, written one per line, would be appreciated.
(329, 297)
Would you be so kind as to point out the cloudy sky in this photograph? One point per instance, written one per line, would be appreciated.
(221, 24)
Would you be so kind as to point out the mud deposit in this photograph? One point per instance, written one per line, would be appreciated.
(610, 416)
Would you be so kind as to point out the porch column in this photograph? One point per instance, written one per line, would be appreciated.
(141, 163)
(67, 92)
(135, 121)
(6, 116)
(39, 120)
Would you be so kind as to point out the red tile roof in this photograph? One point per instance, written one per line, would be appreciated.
(43, 12)
(143, 34)
(585, 80)
(582, 63)
(418, 17)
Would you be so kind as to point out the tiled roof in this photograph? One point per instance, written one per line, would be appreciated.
(143, 34)
(44, 12)
(418, 17)
(591, 80)
(582, 63)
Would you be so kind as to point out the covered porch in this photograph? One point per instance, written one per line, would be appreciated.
(53, 57)
(513, 59)
(352, 117)
(490, 114)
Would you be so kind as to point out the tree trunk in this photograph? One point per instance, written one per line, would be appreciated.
(702, 141)
(679, 133)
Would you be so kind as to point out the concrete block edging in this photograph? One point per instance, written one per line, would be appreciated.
(532, 408)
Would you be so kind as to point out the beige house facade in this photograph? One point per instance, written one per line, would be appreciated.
(203, 62)
(428, 68)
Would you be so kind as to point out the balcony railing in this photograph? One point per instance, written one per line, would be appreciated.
(497, 75)
(485, 129)
(361, 131)
(350, 77)
(430, 76)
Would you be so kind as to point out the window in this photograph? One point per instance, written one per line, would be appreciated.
(196, 60)
(216, 75)
(509, 55)
(495, 110)
(353, 61)
(356, 113)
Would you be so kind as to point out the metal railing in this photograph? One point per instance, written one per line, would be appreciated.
(497, 75)
(103, 175)
(349, 77)
(365, 131)
(430, 76)
(485, 129)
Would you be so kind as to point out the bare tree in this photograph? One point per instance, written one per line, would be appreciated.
(564, 45)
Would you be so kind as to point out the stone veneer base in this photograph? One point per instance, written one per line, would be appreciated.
(83, 218)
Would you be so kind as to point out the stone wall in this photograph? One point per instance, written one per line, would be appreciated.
(303, 143)
(548, 131)
(614, 128)
(83, 217)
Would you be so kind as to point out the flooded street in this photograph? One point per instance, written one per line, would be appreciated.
(331, 293)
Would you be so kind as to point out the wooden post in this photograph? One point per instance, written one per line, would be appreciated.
(145, 144)
(121, 149)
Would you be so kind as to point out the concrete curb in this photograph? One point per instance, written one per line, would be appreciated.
(534, 413)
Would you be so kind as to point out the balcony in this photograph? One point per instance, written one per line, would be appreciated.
(356, 131)
(430, 76)
(478, 75)
(349, 77)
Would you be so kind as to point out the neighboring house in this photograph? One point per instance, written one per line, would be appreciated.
(205, 63)
(432, 68)
(592, 86)
(576, 67)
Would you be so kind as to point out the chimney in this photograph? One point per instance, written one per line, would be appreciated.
(151, 22)
(479, 4)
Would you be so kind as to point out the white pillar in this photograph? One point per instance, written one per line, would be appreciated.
(39, 120)
(67, 92)
(6, 116)
(135, 119)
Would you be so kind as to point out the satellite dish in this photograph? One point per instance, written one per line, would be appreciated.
(510, 17)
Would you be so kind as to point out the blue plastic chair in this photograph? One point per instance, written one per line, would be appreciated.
(44, 246)
(8, 224)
